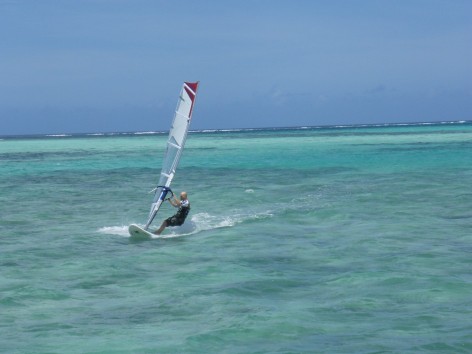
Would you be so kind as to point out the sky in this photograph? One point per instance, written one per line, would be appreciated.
(77, 66)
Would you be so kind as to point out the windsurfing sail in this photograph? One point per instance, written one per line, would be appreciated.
(175, 145)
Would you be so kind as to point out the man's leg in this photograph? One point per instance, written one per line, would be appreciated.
(163, 226)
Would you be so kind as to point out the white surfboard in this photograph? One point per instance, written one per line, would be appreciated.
(137, 232)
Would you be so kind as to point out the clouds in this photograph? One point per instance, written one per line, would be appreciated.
(260, 62)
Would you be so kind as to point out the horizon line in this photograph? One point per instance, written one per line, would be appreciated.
(215, 130)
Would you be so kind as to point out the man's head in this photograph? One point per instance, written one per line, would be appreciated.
(183, 195)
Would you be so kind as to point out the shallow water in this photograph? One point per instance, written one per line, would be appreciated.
(343, 240)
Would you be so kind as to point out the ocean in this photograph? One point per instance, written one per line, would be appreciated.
(348, 239)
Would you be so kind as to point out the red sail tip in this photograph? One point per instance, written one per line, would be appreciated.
(191, 89)
(193, 86)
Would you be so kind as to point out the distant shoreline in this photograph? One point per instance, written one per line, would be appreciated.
(231, 130)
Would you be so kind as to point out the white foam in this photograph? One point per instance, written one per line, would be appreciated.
(114, 230)
(146, 133)
(198, 223)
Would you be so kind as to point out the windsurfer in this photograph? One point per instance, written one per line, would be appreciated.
(178, 219)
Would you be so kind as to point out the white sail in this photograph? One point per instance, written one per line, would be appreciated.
(175, 145)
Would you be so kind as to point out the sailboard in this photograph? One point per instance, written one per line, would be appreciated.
(174, 148)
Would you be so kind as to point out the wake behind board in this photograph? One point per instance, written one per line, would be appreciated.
(139, 233)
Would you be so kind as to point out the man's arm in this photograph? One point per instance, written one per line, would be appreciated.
(174, 202)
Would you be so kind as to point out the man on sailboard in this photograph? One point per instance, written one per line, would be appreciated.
(179, 217)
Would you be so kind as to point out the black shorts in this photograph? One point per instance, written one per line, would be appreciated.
(174, 221)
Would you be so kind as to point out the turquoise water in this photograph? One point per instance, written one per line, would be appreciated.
(329, 240)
